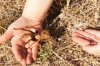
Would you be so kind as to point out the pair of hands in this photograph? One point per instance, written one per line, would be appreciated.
(24, 52)
(89, 40)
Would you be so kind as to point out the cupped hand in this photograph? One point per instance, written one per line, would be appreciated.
(89, 40)
(25, 52)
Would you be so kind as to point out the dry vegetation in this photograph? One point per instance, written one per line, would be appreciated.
(64, 17)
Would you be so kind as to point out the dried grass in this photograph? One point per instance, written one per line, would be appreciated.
(63, 16)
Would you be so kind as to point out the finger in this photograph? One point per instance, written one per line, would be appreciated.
(23, 62)
(35, 48)
(17, 52)
(86, 34)
(29, 44)
(6, 36)
(81, 41)
(29, 56)
(29, 50)
(95, 32)
(95, 49)
(79, 35)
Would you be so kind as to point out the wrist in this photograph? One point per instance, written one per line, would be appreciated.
(36, 8)
(29, 23)
(34, 18)
(33, 21)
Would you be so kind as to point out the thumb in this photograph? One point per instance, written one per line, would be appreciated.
(6, 36)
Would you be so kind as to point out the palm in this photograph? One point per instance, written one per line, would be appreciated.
(89, 40)
(24, 50)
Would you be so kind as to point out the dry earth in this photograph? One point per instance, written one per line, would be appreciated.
(63, 18)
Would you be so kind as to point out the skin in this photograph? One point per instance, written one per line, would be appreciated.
(33, 14)
(89, 40)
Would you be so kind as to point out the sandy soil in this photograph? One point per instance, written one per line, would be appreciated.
(63, 18)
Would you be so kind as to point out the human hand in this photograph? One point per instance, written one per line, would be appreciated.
(89, 40)
(25, 52)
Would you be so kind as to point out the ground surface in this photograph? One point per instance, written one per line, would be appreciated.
(64, 17)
